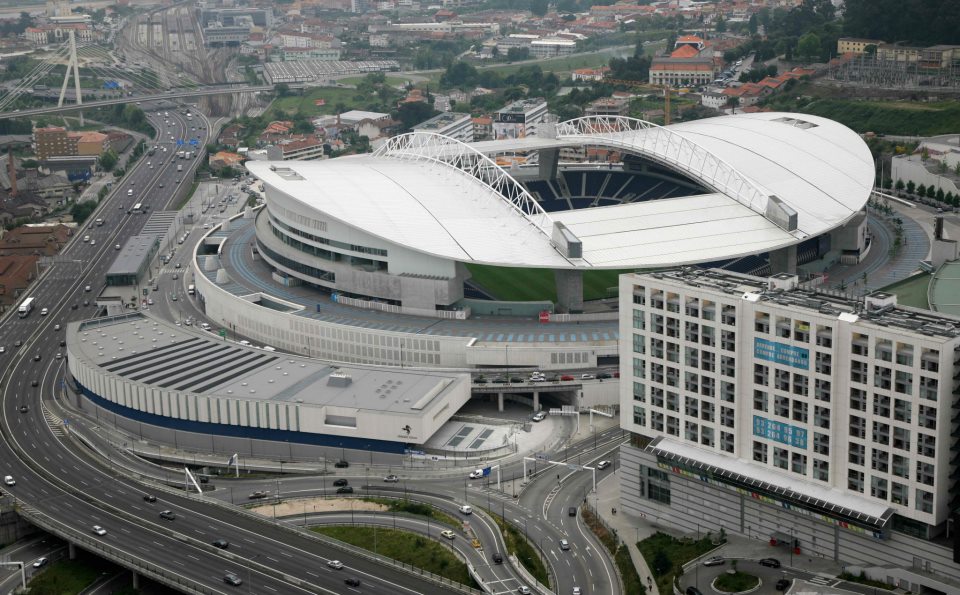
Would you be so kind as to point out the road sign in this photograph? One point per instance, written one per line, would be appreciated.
(194, 142)
(179, 142)
(223, 332)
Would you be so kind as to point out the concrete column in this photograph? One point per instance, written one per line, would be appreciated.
(569, 290)
(548, 163)
(783, 260)
(136, 580)
(500, 402)
(71, 551)
(536, 400)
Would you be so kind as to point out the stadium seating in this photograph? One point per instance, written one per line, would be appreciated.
(602, 188)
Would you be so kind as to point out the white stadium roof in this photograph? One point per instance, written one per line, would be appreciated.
(440, 197)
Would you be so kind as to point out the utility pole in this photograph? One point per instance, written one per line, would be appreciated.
(72, 63)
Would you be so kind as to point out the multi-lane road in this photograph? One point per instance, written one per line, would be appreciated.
(61, 490)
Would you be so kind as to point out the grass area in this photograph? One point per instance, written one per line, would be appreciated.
(518, 545)
(863, 580)
(666, 555)
(390, 79)
(417, 508)
(912, 291)
(186, 197)
(883, 117)
(66, 577)
(306, 105)
(405, 547)
(632, 583)
(527, 285)
(736, 582)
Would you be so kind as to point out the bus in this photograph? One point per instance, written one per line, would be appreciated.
(137, 208)
(25, 307)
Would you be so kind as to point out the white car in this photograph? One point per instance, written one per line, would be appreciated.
(98, 530)
(40, 563)
(524, 590)
(9, 480)
(466, 509)
(603, 464)
(44, 312)
(448, 534)
(335, 564)
(539, 416)
(477, 473)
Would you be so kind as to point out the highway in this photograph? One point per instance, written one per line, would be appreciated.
(60, 490)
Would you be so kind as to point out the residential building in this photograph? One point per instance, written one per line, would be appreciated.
(590, 74)
(452, 124)
(714, 100)
(520, 119)
(16, 274)
(302, 149)
(551, 47)
(60, 32)
(223, 159)
(817, 421)
(56, 141)
(35, 240)
(482, 128)
(223, 34)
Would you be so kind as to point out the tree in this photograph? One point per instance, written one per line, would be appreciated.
(108, 160)
(956, 169)
(931, 191)
(924, 155)
(911, 187)
(661, 563)
(721, 26)
(282, 89)
(539, 8)
(940, 195)
(411, 114)
(887, 183)
(922, 190)
(81, 210)
(809, 46)
(899, 185)
(752, 25)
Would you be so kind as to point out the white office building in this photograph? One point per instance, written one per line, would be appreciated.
(800, 418)
(452, 124)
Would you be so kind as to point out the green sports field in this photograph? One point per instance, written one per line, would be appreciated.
(528, 285)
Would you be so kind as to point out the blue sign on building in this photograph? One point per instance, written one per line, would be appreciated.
(779, 432)
(780, 353)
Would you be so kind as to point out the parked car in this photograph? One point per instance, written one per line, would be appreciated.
(770, 562)
(566, 378)
(587, 376)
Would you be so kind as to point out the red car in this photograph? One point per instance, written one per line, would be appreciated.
(566, 378)
(616, 374)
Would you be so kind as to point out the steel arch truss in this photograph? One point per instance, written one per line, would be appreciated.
(436, 148)
(669, 148)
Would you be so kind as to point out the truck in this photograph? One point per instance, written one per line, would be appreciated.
(179, 167)
(25, 307)
(180, 154)
(187, 154)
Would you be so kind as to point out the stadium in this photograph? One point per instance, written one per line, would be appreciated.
(416, 230)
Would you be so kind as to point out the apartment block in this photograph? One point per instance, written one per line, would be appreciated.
(802, 418)
(452, 124)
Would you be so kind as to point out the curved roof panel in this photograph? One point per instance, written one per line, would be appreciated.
(430, 204)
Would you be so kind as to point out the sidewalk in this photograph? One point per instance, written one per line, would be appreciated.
(629, 528)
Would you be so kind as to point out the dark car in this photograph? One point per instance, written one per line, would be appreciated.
(221, 543)
(497, 558)
(34, 383)
(149, 498)
(352, 582)
(499, 380)
(36, 358)
(63, 343)
(691, 590)
(345, 490)
(73, 306)
(516, 380)
(783, 584)
(340, 482)
(17, 343)
(572, 511)
(771, 562)
(24, 408)
(480, 380)
(168, 514)
(341, 464)
(203, 479)
(603, 376)
(232, 579)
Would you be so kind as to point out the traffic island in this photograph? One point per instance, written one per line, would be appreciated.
(735, 581)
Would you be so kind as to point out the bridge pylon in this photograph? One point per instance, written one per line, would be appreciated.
(72, 64)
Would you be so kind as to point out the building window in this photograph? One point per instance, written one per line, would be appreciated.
(760, 401)
(924, 501)
(781, 406)
(927, 417)
(881, 405)
(881, 433)
(639, 416)
(638, 344)
(926, 445)
(878, 487)
(900, 466)
(800, 411)
(858, 399)
(879, 460)
(821, 444)
(821, 417)
(781, 457)
(639, 392)
(901, 438)
(821, 470)
(798, 463)
(855, 454)
(639, 321)
(899, 494)
(855, 480)
(901, 410)
(759, 452)
(924, 473)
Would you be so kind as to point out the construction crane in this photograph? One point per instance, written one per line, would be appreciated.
(666, 89)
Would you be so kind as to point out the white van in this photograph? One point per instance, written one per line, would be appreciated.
(466, 509)
(130, 192)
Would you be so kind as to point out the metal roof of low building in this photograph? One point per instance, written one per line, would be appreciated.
(134, 251)
(160, 354)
